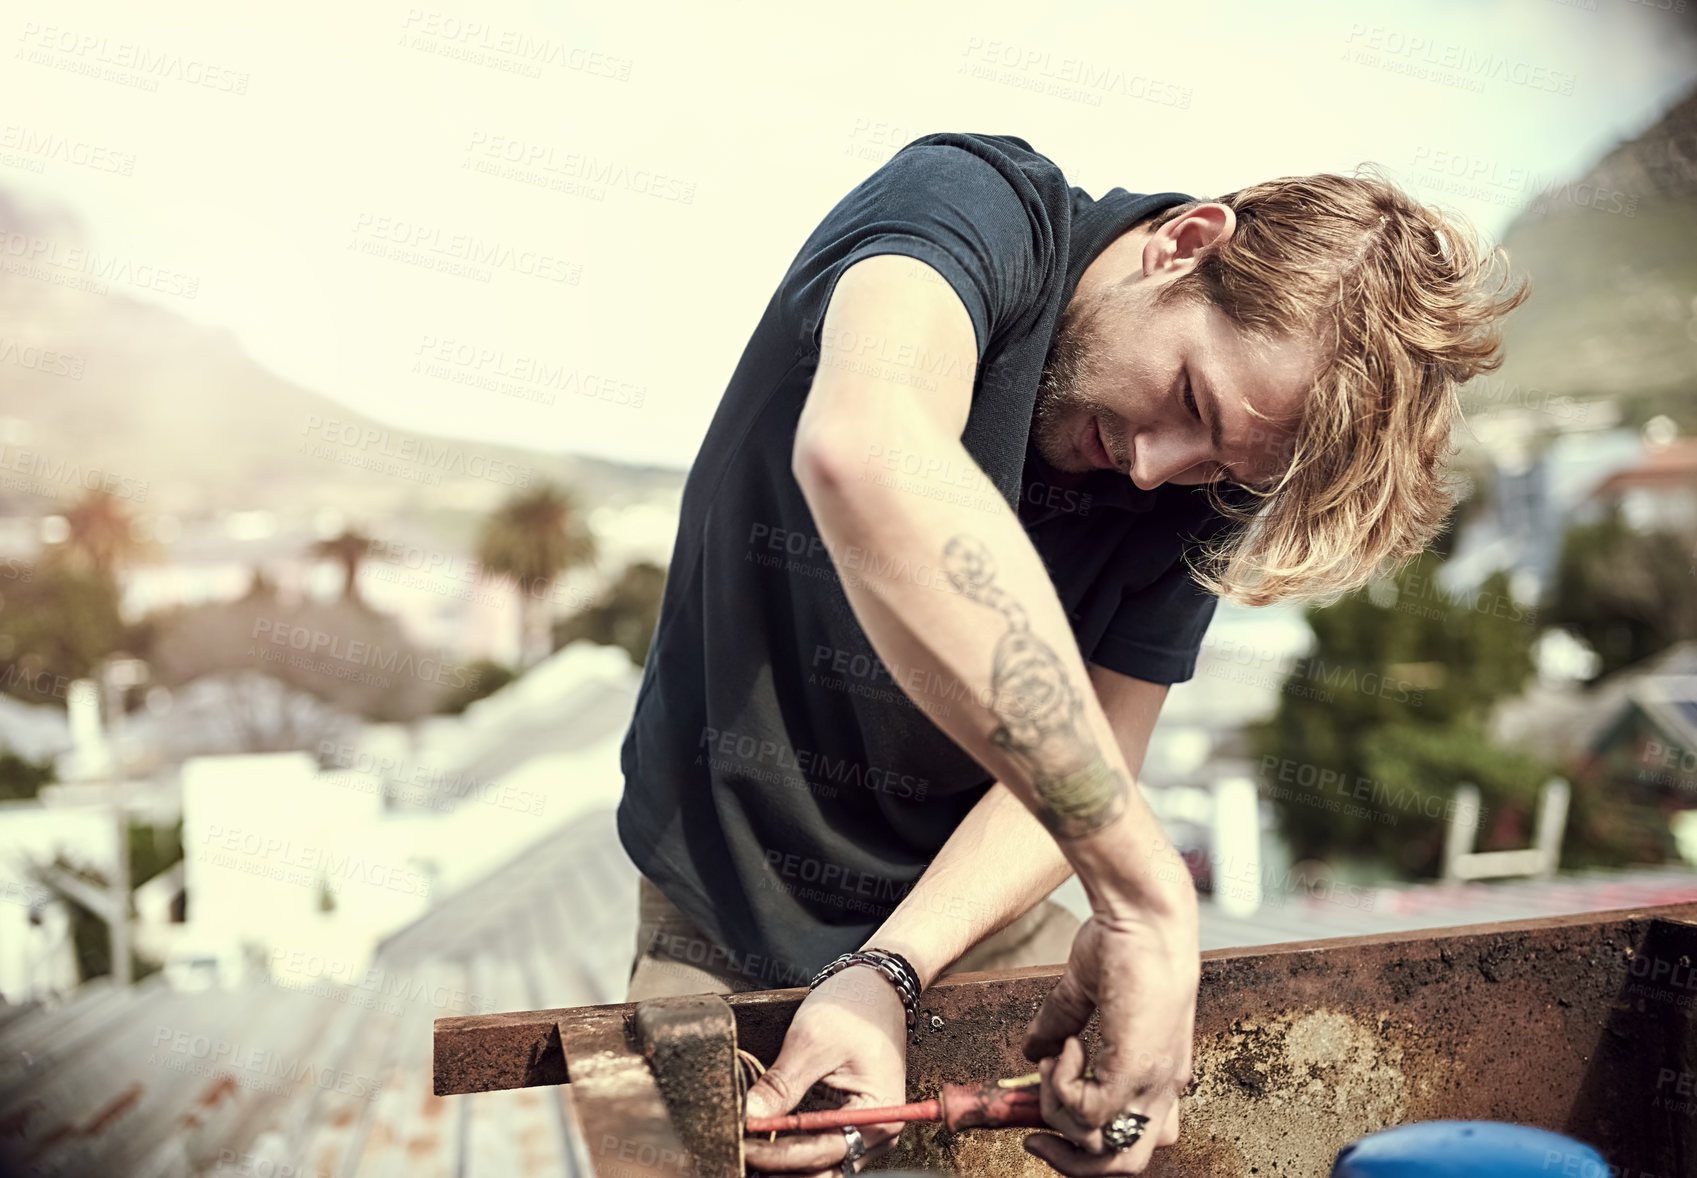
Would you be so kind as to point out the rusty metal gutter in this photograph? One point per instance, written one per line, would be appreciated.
(1581, 1024)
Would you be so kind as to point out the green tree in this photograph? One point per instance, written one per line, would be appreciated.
(1390, 712)
(152, 849)
(22, 779)
(531, 540)
(55, 626)
(487, 677)
(625, 616)
(59, 614)
(1627, 593)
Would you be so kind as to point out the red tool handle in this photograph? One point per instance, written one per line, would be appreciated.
(836, 1118)
(1000, 1104)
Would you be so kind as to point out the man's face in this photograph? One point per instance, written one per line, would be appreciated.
(1164, 393)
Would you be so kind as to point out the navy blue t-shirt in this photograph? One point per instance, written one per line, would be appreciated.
(783, 786)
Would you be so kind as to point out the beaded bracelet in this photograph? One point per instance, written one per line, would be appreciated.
(892, 965)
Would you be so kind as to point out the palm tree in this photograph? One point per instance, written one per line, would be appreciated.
(531, 540)
(99, 538)
(347, 550)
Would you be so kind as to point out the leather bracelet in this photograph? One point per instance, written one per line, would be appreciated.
(892, 965)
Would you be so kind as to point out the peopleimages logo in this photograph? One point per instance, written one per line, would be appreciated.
(70, 263)
(289, 1072)
(417, 784)
(315, 643)
(297, 966)
(43, 474)
(145, 66)
(516, 50)
(304, 864)
(1031, 67)
(1381, 796)
(912, 681)
(425, 244)
(528, 378)
(43, 360)
(1448, 62)
(1668, 764)
(814, 767)
(433, 458)
(38, 147)
(800, 552)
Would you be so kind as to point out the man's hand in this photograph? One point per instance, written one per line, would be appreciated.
(851, 1033)
(1142, 975)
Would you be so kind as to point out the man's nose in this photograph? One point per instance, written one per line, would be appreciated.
(1158, 459)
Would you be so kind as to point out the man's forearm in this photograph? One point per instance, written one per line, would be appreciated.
(993, 868)
(985, 614)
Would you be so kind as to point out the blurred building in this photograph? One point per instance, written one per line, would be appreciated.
(1659, 492)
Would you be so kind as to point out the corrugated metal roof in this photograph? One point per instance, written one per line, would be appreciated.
(1348, 913)
(334, 1081)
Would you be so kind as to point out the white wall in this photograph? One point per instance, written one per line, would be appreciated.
(37, 960)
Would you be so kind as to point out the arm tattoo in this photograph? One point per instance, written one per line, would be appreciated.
(1041, 711)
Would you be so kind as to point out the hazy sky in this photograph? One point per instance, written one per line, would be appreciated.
(302, 176)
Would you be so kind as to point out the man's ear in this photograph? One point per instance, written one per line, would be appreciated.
(1181, 240)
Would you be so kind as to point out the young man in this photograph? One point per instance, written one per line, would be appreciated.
(959, 521)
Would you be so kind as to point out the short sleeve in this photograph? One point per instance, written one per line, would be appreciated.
(1157, 631)
(966, 205)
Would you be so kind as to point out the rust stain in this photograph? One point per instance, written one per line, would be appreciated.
(1323, 1078)
(218, 1092)
(539, 1163)
(60, 1132)
(117, 1107)
(15, 1122)
(999, 1152)
(121, 1104)
(483, 1053)
(224, 1086)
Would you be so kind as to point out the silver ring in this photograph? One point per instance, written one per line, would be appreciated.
(1123, 1131)
(856, 1149)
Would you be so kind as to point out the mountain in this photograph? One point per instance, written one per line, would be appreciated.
(1612, 257)
(97, 385)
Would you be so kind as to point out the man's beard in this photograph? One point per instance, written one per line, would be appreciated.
(1070, 377)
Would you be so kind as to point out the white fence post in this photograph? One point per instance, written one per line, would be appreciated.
(1539, 861)
(1464, 828)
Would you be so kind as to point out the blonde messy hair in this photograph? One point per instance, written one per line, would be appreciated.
(1403, 302)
